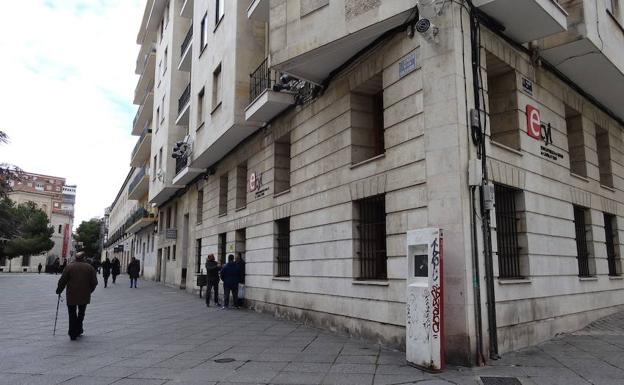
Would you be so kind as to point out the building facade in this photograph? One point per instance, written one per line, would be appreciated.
(311, 136)
(56, 198)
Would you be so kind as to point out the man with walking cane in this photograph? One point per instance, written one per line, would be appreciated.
(80, 279)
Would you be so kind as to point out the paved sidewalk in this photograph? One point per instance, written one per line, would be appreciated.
(160, 335)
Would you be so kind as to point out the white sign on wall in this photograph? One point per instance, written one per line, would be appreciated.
(424, 329)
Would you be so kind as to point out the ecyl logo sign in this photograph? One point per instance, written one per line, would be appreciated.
(535, 128)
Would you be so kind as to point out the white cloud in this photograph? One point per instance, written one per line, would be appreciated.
(67, 80)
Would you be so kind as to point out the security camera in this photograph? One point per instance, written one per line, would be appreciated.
(427, 29)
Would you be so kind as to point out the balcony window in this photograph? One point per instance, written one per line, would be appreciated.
(282, 164)
(502, 102)
(219, 11)
(200, 108)
(203, 39)
(604, 156)
(367, 120)
(576, 141)
(223, 194)
(216, 87)
(241, 185)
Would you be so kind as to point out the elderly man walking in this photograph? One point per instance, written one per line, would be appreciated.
(80, 279)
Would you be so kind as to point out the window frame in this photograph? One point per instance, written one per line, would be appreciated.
(282, 248)
(370, 224)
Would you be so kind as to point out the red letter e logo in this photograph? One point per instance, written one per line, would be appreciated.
(534, 128)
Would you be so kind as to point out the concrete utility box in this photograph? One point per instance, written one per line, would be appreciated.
(424, 345)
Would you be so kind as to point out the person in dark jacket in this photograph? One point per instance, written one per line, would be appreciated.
(212, 279)
(56, 266)
(115, 268)
(106, 270)
(134, 269)
(39, 267)
(230, 275)
(80, 279)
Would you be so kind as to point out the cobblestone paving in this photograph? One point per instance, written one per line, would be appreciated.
(160, 335)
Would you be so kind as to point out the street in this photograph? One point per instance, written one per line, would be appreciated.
(161, 335)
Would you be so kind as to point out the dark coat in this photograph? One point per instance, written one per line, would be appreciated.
(241, 267)
(106, 268)
(212, 271)
(115, 266)
(134, 268)
(230, 274)
(80, 279)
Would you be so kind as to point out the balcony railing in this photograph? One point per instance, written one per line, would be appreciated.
(137, 179)
(184, 98)
(260, 80)
(181, 162)
(187, 40)
(145, 131)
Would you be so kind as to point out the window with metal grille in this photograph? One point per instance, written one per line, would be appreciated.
(507, 232)
(610, 238)
(223, 194)
(582, 252)
(283, 247)
(198, 246)
(372, 237)
(222, 242)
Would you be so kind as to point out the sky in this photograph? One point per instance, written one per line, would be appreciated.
(66, 87)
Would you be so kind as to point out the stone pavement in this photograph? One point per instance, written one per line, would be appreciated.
(160, 335)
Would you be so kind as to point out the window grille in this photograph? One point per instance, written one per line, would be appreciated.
(609, 221)
(372, 231)
(581, 241)
(283, 247)
(507, 232)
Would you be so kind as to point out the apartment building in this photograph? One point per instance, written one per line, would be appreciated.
(312, 135)
(129, 225)
(56, 199)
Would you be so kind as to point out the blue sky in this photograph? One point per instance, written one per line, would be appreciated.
(66, 86)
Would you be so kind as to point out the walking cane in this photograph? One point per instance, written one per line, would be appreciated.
(56, 317)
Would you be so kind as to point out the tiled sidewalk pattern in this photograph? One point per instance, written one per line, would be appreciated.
(162, 335)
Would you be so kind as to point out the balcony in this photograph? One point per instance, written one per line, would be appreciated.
(186, 51)
(146, 80)
(141, 151)
(139, 185)
(264, 103)
(590, 52)
(140, 219)
(143, 114)
(526, 20)
(184, 173)
(187, 9)
(184, 107)
(258, 10)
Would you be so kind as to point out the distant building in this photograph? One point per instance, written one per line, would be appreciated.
(56, 199)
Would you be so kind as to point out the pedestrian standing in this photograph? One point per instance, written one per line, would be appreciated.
(39, 267)
(115, 268)
(230, 275)
(134, 268)
(56, 266)
(212, 279)
(80, 279)
(106, 270)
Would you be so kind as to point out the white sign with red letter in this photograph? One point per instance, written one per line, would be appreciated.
(534, 125)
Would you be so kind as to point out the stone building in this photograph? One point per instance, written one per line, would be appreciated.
(311, 135)
(56, 199)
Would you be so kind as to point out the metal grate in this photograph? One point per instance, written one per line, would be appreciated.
(372, 229)
(283, 247)
(500, 381)
(610, 240)
(222, 244)
(581, 241)
(198, 246)
(507, 232)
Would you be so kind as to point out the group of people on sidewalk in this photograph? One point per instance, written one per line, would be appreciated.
(111, 267)
(232, 274)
